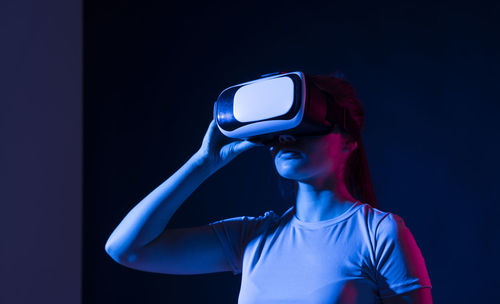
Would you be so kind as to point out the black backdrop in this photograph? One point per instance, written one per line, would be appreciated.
(426, 72)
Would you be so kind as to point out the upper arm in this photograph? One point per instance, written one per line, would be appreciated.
(416, 296)
(400, 266)
(193, 250)
(215, 247)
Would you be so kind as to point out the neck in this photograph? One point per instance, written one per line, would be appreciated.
(322, 198)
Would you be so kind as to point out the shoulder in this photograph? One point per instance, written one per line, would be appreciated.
(248, 222)
(390, 236)
(381, 223)
(268, 215)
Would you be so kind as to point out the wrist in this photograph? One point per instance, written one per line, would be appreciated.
(202, 162)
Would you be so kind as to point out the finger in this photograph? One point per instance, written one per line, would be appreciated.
(257, 142)
(211, 127)
(216, 132)
(215, 136)
(242, 146)
(209, 131)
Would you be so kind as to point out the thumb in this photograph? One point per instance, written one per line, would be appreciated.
(244, 145)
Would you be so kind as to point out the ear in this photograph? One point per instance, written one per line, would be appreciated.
(350, 145)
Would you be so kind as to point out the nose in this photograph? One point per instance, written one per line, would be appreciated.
(282, 139)
(286, 138)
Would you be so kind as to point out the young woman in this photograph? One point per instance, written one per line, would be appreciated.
(331, 246)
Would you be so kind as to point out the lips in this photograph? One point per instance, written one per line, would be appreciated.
(289, 153)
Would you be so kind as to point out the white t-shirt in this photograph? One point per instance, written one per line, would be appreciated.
(359, 256)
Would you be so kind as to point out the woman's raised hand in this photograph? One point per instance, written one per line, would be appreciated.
(217, 150)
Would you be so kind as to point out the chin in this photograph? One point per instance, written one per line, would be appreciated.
(298, 171)
(294, 169)
(292, 173)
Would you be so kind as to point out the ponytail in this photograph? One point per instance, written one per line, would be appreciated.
(357, 176)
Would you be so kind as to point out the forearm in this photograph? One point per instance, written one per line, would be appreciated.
(148, 219)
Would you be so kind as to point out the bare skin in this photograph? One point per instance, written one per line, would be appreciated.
(141, 241)
(318, 166)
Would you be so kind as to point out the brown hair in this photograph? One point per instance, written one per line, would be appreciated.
(357, 173)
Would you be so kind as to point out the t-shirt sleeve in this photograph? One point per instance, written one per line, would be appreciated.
(235, 233)
(400, 266)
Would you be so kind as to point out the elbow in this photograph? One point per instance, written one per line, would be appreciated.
(109, 248)
(112, 248)
(120, 256)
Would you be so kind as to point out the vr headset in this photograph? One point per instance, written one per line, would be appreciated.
(278, 103)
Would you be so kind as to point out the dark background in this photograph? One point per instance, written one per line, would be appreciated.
(427, 73)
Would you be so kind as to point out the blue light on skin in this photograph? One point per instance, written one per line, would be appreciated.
(318, 166)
